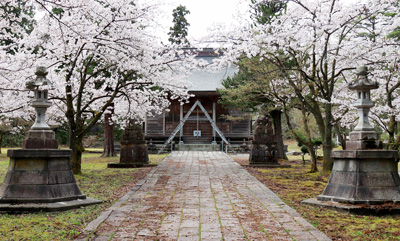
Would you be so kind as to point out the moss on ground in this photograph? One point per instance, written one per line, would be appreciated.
(97, 181)
(295, 184)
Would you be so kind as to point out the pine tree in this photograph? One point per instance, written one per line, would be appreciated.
(179, 31)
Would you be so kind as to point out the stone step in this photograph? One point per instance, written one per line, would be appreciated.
(199, 147)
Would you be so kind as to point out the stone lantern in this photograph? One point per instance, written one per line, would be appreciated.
(364, 136)
(134, 152)
(40, 136)
(363, 173)
(39, 176)
(264, 152)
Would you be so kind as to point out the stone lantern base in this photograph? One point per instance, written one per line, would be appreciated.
(134, 151)
(362, 182)
(40, 180)
(264, 155)
(363, 177)
(40, 139)
(132, 155)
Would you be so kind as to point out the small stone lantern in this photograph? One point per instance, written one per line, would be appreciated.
(40, 136)
(364, 136)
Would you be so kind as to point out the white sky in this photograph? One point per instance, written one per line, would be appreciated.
(204, 14)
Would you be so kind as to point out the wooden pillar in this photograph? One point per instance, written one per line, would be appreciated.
(180, 120)
(163, 124)
(214, 116)
(145, 124)
(250, 126)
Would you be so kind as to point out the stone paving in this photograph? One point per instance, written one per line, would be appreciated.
(200, 196)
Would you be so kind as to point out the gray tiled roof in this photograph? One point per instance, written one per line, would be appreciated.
(203, 80)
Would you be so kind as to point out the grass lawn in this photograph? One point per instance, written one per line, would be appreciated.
(96, 181)
(295, 184)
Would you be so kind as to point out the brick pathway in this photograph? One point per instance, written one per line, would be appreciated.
(200, 196)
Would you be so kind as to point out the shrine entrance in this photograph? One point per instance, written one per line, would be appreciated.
(197, 131)
(197, 128)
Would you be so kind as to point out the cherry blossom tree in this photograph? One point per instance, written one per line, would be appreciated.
(16, 20)
(317, 43)
(98, 53)
(384, 60)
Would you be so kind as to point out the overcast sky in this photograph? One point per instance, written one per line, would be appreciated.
(205, 13)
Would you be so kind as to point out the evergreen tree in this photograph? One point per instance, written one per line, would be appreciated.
(179, 31)
(263, 12)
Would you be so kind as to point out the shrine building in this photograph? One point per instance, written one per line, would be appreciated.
(197, 129)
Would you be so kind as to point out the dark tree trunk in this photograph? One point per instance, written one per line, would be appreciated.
(327, 140)
(1, 141)
(276, 116)
(341, 136)
(108, 150)
(391, 131)
(313, 157)
(76, 145)
(309, 144)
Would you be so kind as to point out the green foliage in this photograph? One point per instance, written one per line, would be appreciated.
(304, 149)
(62, 134)
(241, 91)
(262, 12)
(12, 140)
(395, 34)
(316, 142)
(58, 11)
(118, 132)
(12, 131)
(179, 31)
(247, 89)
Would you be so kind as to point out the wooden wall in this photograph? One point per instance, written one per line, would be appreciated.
(161, 126)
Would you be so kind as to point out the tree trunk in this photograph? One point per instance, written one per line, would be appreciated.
(276, 116)
(309, 143)
(341, 136)
(327, 140)
(76, 145)
(313, 157)
(391, 132)
(108, 150)
(1, 141)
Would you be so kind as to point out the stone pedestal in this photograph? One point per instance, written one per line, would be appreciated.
(134, 151)
(40, 139)
(263, 153)
(40, 180)
(362, 140)
(363, 177)
(39, 176)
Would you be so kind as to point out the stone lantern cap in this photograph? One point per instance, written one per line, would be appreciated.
(362, 82)
(41, 80)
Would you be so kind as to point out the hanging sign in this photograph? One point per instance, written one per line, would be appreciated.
(196, 133)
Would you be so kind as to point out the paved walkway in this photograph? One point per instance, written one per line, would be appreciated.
(200, 196)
